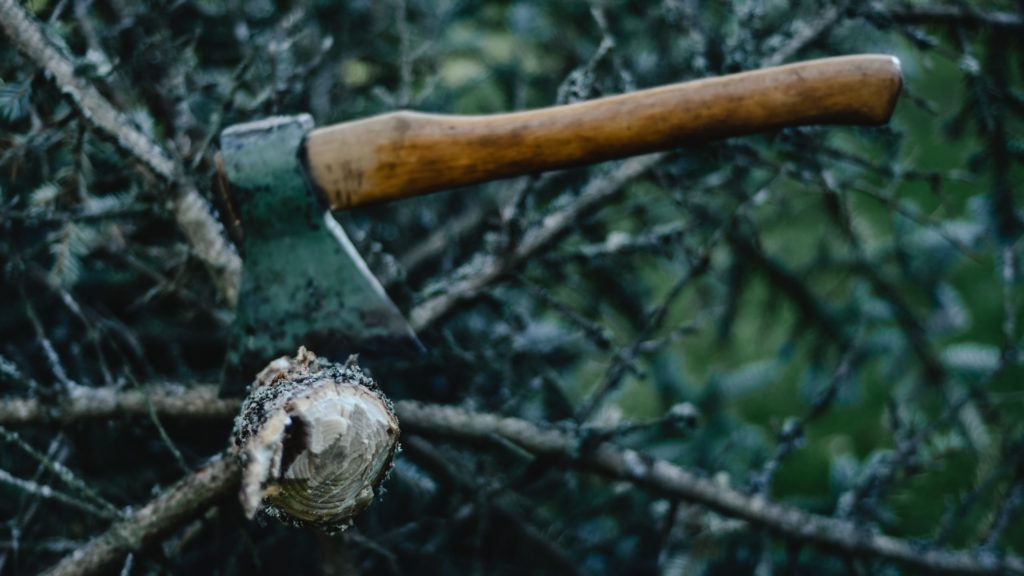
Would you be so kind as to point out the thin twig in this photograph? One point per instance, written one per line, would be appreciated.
(468, 222)
(594, 331)
(791, 436)
(49, 493)
(806, 33)
(659, 237)
(503, 506)
(405, 60)
(61, 471)
(155, 419)
(655, 319)
(44, 342)
(82, 403)
(192, 212)
(1008, 506)
(476, 281)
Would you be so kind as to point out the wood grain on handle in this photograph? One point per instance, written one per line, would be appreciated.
(405, 154)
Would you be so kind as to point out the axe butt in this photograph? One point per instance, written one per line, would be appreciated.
(405, 154)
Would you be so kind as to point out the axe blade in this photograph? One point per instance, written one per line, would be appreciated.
(303, 282)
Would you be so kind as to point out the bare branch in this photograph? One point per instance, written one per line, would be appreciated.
(806, 33)
(44, 342)
(193, 214)
(624, 358)
(469, 221)
(49, 493)
(551, 228)
(666, 478)
(61, 471)
(173, 507)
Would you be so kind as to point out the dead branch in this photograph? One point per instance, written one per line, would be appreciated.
(49, 493)
(551, 228)
(806, 33)
(669, 479)
(194, 493)
(174, 506)
(83, 403)
(192, 212)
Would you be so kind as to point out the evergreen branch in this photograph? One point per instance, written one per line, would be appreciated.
(192, 212)
(83, 403)
(806, 33)
(60, 471)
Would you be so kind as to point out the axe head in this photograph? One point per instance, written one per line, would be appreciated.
(303, 283)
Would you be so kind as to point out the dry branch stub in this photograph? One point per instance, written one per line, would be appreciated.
(314, 439)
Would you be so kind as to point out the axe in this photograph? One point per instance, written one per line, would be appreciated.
(303, 281)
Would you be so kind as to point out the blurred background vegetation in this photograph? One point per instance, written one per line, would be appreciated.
(827, 316)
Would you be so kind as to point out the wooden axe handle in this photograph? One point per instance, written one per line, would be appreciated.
(406, 154)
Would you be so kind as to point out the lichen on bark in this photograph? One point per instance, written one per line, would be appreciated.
(314, 439)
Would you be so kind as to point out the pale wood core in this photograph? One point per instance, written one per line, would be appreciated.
(405, 154)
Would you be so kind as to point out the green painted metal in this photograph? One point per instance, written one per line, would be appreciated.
(303, 282)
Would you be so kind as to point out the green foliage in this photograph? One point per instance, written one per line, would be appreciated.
(68, 246)
(14, 100)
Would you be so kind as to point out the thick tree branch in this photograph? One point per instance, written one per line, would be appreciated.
(173, 507)
(192, 494)
(806, 33)
(82, 403)
(666, 478)
(193, 214)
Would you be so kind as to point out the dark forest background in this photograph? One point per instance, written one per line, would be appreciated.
(829, 318)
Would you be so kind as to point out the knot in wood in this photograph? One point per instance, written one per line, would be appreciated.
(314, 439)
